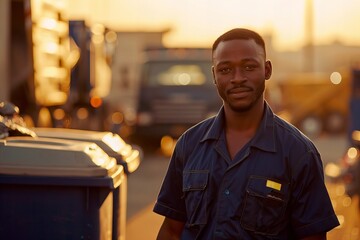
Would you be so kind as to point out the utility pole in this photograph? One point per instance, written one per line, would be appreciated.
(309, 37)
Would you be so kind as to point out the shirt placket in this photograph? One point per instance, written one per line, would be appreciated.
(225, 192)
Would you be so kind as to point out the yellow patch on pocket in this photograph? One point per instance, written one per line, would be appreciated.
(273, 185)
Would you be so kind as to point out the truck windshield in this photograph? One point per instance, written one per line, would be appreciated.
(178, 73)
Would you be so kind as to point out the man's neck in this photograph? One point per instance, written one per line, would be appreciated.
(244, 121)
(240, 128)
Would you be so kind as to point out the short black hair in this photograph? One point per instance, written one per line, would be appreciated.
(240, 33)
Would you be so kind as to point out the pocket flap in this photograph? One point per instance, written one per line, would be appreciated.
(195, 180)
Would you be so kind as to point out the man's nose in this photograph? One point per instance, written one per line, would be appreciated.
(239, 76)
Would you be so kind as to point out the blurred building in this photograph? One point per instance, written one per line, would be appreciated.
(327, 58)
(22, 69)
(126, 64)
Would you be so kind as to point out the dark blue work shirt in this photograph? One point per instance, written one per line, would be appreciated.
(273, 188)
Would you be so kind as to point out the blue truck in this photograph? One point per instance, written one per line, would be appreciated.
(176, 91)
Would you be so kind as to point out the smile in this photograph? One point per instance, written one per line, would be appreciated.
(240, 90)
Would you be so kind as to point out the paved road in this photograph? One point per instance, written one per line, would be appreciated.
(144, 183)
(143, 186)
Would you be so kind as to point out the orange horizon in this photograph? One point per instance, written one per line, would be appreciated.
(198, 23)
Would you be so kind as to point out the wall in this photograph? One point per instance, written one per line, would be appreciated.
(4, 43)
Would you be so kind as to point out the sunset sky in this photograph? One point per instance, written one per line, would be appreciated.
(199, 22)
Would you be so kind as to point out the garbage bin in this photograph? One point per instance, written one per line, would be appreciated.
(56, 189)
(129, 156)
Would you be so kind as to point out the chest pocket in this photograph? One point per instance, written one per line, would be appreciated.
(194, 185)
(265, 205)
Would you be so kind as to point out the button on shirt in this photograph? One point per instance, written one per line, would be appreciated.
(273, 188)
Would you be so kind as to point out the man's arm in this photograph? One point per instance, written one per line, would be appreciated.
(321, 236)
(170, 230)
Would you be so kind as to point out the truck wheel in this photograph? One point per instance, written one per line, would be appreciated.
(335, 122)
(311, 126)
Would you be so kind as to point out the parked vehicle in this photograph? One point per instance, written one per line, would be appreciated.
(176, 92)
(326, 111)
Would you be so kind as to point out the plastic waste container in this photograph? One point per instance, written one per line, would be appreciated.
(127, 155)
(56, 189)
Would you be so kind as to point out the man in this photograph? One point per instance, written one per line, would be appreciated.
(245, 173)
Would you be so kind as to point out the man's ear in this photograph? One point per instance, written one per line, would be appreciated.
(268, 69)
(213, 74)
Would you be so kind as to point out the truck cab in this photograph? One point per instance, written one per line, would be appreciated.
(176, 91)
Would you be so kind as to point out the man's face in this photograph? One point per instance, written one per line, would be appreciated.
(240, 71)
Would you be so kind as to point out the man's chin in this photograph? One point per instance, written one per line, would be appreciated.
(241, 108)
(244, 106)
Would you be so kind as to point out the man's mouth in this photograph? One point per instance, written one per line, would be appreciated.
(239, 90)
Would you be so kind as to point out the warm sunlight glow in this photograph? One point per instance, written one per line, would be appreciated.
(335, 78)
(352, 152)
(197, 23)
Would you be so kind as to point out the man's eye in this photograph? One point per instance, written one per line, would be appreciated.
(249, 67)
(224, 70)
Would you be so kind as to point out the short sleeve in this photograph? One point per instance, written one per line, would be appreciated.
(170, 202)
(311, 208)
